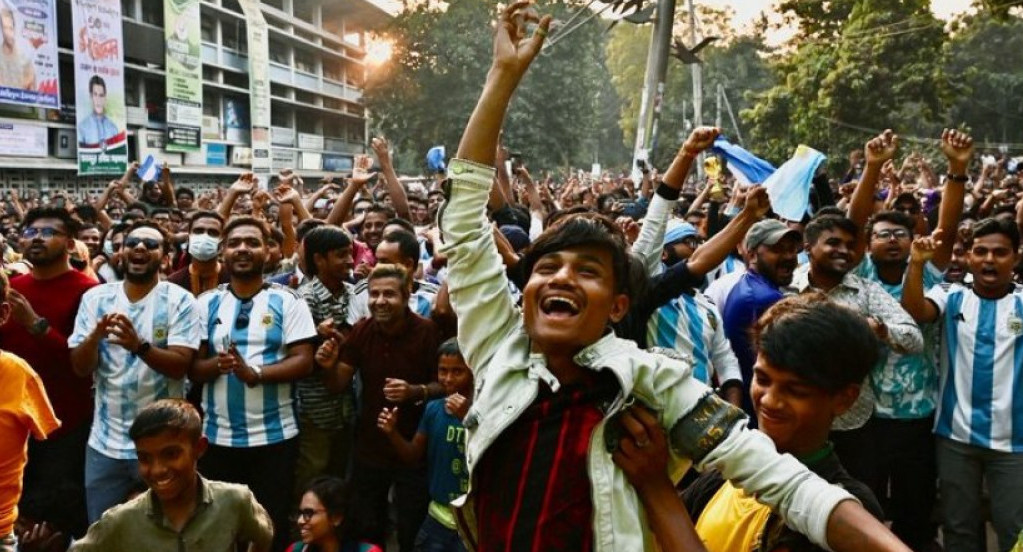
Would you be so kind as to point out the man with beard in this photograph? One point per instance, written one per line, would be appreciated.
(92, 236)
(257, 340)
(389, 350)
(43, 305)
(831, 241)
(136, 339)
(771, 252)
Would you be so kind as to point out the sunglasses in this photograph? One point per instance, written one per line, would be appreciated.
(150, 243)
(45, 232)
(242, 321)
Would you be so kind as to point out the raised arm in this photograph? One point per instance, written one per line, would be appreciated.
(713, 252)
(343, 205)
(878, 151)
(648, 245)
(477, 282)
(391, 183)
(245, 184)
(913, 300)
(958, 149)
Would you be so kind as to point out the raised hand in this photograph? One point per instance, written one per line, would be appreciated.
(327, 354)
(513, 50)
(457, 405)
(923, 248)
(958, 149)
(379, 145)
(245, 184)
(700, 139)
(882, 148)
(21, 309)
(757, 202)
(397, 390)
(387, 420)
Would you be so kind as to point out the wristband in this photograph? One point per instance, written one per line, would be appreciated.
(964, 178)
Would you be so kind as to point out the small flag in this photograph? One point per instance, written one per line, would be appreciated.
(435, 159)
(150, 169)
(747, 168)
(789, 187)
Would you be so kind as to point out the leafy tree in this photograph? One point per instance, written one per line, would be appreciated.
(424, 96)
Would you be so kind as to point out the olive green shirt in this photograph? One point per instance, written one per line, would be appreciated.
(227, 514)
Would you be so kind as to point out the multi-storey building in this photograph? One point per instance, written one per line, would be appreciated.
(318, 66)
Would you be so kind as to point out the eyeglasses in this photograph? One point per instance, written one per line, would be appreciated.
(150, 243)
(242, 321)
(898, 233)
(45, 232)
(306, 514)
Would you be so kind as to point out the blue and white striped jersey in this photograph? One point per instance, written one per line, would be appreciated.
(691, 325)
(730, 265)
(424, 295)
(238, 415)
(124, 382)
(980, 396)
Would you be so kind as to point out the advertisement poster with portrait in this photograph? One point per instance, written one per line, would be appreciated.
(28, 53)
(184, 75)
(99, 87)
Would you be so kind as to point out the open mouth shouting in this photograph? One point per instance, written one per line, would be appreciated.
(559, 306)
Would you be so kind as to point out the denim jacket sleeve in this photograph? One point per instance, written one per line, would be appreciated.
(477, 283)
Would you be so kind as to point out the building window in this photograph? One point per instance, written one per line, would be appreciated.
(307, 122)
(304, 11)
(232, 5)
(231, 35)
(128, 8)
(280, 117)
(238, 80)
(131, 89)
(156, 100)
(210, 74)
(305, 61)
(211, 104)
(278, 52)
(208, 29)
(279, 4)
(152, 13)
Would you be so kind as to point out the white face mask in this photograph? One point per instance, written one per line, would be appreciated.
(203, 247)
(108, 248)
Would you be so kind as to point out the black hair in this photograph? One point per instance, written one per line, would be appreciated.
(322, 240)
(65, 218)
(248, 221)
(166, 414)
(184, 191)
(380, 208)
(994, 225)
(1003, 210)
(825, 344)
(276, 235)
(332, 492)
(449, 348)
(86, 212)
(829, 210)
(408, 245)
(137, 206)
(160, 211)
(201, 214)
(605, 201)
(148, 223)
(556, 215)
(512, 214)
(819, 225)
(894, 217)
(86, 226)
(401, 222)
(97, 80)
(307, 226)
(581, 230)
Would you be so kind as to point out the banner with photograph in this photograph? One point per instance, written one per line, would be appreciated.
(28, 53)
(259, 86)
(99, 87)
(184, 75)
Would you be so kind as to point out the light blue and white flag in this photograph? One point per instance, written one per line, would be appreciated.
(748, 169)
(150, 169)
(789, 186)
(435, 159)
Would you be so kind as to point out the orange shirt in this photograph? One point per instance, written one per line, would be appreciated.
(24, 409)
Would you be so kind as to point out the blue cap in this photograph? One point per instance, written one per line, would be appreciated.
(679, 232)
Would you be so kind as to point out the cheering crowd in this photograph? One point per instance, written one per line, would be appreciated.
(488, 361)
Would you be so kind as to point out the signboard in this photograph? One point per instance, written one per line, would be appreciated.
(23, 140)
(99, 87)
(184, 75)
(310, 161)
(28, 55)
(236, 120)
(282, 136)
(337, 163)
(284, 159)
(310, 141)
(259, 84)
(216, 154)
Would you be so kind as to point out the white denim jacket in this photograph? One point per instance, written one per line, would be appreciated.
(701, 428)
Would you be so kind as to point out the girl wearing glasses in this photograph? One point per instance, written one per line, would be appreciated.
(320, 519)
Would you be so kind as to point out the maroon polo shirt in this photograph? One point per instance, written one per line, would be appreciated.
(410, 355)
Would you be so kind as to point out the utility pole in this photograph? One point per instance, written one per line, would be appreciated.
(697, 70)
(653, 83)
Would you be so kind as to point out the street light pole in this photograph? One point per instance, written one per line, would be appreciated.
(653, 83)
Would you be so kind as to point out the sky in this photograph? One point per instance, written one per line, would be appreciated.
(747, 11)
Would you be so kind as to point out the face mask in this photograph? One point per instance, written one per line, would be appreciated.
(108, 248)
(203, 247)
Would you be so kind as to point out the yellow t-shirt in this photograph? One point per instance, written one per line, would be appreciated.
(24, 409)
(732, 521)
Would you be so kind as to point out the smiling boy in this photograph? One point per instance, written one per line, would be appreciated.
(181, 511)
(549, 380)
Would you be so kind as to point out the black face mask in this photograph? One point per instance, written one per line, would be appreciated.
(78, 264)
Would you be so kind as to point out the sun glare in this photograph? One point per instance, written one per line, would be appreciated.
(378, 50)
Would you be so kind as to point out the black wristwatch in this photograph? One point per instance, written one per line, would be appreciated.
(39, 327)
(143, 349)
(964, 178)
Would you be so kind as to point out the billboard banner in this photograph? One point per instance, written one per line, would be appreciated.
(23, 140)
(184, 75)
(99, 87)
(28, 53)
(259, 86)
